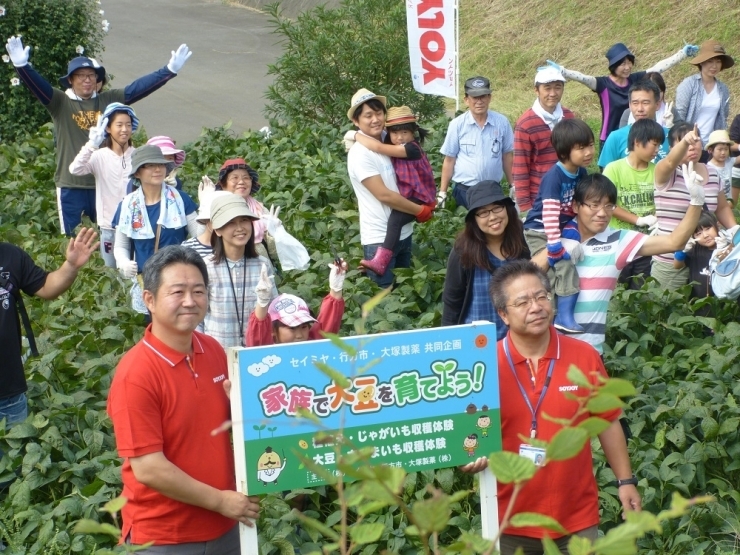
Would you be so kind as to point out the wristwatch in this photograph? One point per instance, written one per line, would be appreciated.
(627, 482)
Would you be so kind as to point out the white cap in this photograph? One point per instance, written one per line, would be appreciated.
(548, 75)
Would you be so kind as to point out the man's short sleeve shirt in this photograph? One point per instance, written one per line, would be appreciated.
(164, 400)
(19, 273)
(564, 490)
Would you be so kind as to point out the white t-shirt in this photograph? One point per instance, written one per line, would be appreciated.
(726, 174)
(707, 115)
(361, 164)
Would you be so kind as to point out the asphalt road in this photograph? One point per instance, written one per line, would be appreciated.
(225, 78)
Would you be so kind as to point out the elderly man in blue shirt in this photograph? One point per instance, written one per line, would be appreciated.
(479, 145)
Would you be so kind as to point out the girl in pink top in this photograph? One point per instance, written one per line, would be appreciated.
(107, 156)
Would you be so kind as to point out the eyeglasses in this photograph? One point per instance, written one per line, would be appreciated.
(496, 209)
(239, 179)
(525, 302)
(85, 76)
(597, 207)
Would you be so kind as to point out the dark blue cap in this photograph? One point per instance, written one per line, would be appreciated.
(78, 63)
(619, 52)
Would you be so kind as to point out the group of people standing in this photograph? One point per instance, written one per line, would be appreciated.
(202, 272)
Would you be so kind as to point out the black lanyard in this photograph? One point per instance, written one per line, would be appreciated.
(533, 411)
(239, 314)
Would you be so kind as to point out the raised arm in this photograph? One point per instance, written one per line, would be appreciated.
(39, 87)
(146, 85)
(688, 51)
(676, 241)
(668, 165)
(79, 250)
(82, 164)
(583, 79)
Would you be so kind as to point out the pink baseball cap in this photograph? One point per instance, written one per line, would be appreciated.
(167, 146)
(289, 310)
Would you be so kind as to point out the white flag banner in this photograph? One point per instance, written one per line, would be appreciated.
(432, 46)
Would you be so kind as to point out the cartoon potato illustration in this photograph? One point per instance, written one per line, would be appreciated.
(484, 422)
(303, 444)
(269, 467)
(470, 444)
(366, 394)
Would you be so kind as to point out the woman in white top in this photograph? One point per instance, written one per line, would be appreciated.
(107, 155)
(703, 99)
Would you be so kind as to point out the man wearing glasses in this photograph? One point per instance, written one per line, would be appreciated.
(479, 145)
(533, 362)
(75, 111)
(606, 251)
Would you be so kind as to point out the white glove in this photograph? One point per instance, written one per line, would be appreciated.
(689, 245)
(349, 139)
(271, 220)
(336, 276)
(441, 199)
(205, 188)
(264, 287)
(648, 221)
(97, 132)
(179, 58)
(693, 184)
(129, 269)
(668, 115)
(573, 248)
(723, 240)
(18, 54)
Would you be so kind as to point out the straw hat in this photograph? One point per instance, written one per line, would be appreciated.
(399, 115)
(713, 49)
(360, 97)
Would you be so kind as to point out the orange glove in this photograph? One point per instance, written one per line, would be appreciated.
(427, 211)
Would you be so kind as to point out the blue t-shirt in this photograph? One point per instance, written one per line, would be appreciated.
(144, 248)
(558, 183)
(481, 307)
(615, 147)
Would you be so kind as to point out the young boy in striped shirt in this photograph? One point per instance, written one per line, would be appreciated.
(573, 142)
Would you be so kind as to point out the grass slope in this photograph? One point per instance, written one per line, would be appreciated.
(506, 40)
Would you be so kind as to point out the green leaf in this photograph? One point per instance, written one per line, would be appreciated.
(729, 425)
(87, 526)
(337, 377)
(317, 525)
(578, 545)
(576, 377)
(603, 402)
(510, 467)
(550, 547)
(566, 444)
(340, 343)
(115, 505)
(618, 387)
(594, 425)
(366, 532)
(521, 520)
(431, 515)
(369, 305)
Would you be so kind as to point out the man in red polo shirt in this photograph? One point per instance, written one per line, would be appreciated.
(533, 362)
(166, 397)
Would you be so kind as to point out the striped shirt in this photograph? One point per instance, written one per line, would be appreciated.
(672, 202)
(533, 156)
(227, 294)
(204, 251)
(553, 207)
(606, 254)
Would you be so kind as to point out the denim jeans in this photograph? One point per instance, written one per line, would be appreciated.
(460, 194)
(401, 259)
(14, 409)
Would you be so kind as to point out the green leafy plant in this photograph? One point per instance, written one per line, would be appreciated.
(55, 31)
(331, 53)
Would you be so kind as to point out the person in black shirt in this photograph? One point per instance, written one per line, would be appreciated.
(18, 272)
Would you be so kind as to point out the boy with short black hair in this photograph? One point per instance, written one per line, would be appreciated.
(573, 142)
(634, 177)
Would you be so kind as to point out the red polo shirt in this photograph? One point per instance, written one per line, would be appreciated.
(163, 400)
(564, 490)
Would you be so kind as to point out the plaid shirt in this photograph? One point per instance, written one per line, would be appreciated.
(221, 320)
(481, 307)
(415, 178)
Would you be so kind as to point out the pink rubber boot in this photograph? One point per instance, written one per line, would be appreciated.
(379, 262)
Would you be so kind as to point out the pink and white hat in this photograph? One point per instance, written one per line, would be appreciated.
(289, 310)
(167, 146)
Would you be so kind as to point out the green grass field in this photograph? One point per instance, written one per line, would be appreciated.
(506, 40)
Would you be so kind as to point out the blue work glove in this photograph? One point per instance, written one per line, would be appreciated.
(555, 253)
(691, 50)
(555, 65)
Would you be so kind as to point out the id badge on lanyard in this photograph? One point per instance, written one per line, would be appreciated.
(534, 453)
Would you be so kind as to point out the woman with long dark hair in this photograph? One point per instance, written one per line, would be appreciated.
(493, 236)
(233, 270)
